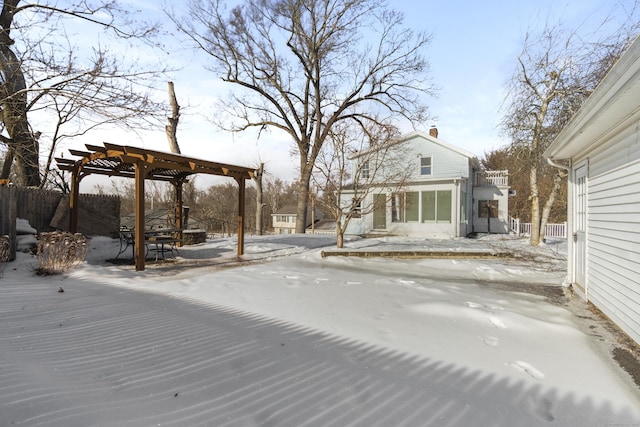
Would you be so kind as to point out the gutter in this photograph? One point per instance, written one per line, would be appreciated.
(559, 165)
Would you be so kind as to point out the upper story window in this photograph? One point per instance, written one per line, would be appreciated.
(425, 166)
(365, 170)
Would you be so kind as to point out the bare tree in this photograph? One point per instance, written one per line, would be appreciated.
(356, 163)
(302, 66)
(557, 70)
(42, 73)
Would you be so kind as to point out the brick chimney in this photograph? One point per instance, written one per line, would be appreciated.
(433, 131)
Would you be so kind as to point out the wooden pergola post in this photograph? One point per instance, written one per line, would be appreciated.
(74, 198)
(179, 209)
(140, 175)
(241, 188)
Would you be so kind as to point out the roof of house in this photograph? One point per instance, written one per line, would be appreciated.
(421, 134)
(612, 104)
(325, 225)
(286, 210)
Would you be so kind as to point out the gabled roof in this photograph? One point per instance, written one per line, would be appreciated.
(421, 134)
(611, 106)
(287, 210)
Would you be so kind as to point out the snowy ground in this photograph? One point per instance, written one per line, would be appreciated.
(288, 338)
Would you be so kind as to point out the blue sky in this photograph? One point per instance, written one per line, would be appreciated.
(472, 54)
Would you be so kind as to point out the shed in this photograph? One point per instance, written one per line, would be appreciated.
(600, 148)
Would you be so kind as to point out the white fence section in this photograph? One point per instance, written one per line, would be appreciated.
(524, 228)
(492, 178)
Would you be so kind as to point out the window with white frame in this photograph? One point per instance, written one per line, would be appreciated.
(412, 204)
(365, 170)
(397, 207)
(436, 206)
(405, 206)
(425, 166)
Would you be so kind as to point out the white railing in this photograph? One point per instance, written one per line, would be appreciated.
(524, 228)
(492, 178)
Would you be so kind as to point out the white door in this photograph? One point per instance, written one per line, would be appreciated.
(580, 225)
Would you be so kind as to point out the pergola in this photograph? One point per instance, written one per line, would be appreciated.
(142, 164)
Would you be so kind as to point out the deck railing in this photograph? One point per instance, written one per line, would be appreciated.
(492, 178)
(524, 228)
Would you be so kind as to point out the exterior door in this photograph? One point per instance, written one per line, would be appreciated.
(580, 225)
(379, 211)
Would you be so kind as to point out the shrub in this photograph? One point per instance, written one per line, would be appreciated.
(5, 251)
(60, 251)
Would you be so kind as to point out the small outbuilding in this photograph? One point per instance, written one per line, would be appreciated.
(600, 148)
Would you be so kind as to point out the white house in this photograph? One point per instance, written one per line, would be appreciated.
(284, 219)
(600, 147)
(426, 187)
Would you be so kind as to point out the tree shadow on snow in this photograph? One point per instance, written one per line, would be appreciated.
(96, 355)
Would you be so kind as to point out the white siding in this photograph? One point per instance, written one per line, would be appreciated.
(605, 135)
(446, 163)
(614, 242)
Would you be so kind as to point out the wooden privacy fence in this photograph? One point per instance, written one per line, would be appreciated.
(49, 211)
(551, 230)
(8, 204)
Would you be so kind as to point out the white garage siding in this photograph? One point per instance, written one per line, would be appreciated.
(614, 244)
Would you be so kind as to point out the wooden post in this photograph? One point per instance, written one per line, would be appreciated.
(140, 174)
(179, 210)
(74, 197)
(241, 185)
(8, 212)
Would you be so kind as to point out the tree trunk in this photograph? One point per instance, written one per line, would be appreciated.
(172, 127)
(13, 93)
(303, 196)
(14, 115)
(534, 239)
(339, 234)
(257, 178)
(546, 210)
(6, 166)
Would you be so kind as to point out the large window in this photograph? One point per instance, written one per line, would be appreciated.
(412, 206)
(397, 207)
(405, 207)
(443, 206)
(436, 206)
(428, 206)
(425, 166)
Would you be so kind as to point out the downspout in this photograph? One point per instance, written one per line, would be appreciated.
(569, 279)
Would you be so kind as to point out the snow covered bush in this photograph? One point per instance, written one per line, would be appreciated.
(60, 251)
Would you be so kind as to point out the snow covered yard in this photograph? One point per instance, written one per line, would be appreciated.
(294, 339)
